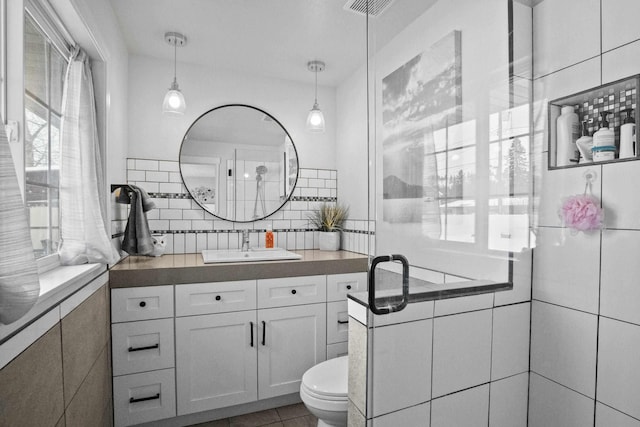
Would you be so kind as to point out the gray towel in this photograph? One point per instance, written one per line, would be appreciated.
(137, 237)
(124, 198)
(19, 283)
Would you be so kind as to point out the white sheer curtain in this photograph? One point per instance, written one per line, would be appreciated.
(83, 230)
(19, 284)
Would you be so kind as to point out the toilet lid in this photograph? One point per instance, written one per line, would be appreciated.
(328, 378)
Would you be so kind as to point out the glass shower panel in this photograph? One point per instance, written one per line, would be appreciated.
(449, 132)
(449, 90)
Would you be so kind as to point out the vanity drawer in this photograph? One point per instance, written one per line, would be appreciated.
(291, 291)
(337, 322)
(143, 303)
(140, 398)
(212, 298)
(339, 285)
(142, 346)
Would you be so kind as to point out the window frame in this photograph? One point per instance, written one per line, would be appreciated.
(46, 21)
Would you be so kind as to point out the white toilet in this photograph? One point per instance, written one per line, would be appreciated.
(324, 391)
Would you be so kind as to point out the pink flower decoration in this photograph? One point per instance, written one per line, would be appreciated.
(582, 212)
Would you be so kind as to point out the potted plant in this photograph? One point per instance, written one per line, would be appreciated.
(329, 220)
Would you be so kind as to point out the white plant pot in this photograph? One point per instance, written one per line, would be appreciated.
(329, 240)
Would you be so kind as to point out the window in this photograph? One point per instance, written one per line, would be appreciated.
(490, 210)
(44, 71)
(509, 179)
(455, 160)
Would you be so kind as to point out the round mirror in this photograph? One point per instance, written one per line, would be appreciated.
(238, 163)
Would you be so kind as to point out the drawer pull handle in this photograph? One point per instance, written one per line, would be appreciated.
(251, 323)
(348, 287)
(218, 297)
(144, 399)
(293, 291)
(264, 332)
(149, 347)
(343, 322)
(142, 304)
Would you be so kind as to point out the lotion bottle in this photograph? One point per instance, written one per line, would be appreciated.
(567, 133)
(627, 140)
(585, 144)
(604, 137)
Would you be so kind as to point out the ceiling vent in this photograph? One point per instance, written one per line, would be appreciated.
(376, 7)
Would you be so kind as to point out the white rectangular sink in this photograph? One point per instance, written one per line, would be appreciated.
(254, 254)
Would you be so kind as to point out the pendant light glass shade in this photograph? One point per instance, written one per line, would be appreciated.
(174, 103)
(315, 119)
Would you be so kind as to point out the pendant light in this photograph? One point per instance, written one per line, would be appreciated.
(174, 100)
(315, 119)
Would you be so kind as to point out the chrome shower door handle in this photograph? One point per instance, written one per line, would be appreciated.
(372, 284)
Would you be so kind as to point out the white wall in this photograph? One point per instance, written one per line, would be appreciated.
(155, 136)
(351, 138)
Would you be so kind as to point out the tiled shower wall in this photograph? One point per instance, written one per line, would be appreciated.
(585, 345)
(451, 362)
(190, 229)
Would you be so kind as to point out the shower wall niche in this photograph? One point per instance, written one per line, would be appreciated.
(618, 100)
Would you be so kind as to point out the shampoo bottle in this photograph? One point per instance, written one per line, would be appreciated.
(627, 140)
(567, 133)
(585, 144)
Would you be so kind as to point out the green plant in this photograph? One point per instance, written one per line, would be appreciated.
(329, 217)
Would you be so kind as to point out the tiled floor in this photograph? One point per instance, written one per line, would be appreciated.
(286, 416)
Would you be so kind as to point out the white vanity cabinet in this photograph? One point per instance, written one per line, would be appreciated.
(338, 286)
(294, 336)
(232, 358)
(188, 348)
(216, 361)
(142, 338)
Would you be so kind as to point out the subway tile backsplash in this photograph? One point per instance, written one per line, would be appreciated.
(190, 229)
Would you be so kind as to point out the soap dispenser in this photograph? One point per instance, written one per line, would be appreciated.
(627, 137)
(268, 238)
(604, 141)
(585, 144)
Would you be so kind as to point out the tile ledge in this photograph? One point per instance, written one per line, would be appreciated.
(56, 285)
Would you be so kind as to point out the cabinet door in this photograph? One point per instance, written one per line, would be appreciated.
(215, 361)
(291, 340)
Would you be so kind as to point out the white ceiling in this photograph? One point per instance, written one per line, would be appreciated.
(274, 38)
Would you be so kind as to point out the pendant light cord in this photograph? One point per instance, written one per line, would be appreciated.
(316, 98)
(175, 56)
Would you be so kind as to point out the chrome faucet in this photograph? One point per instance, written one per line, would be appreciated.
(245, 241)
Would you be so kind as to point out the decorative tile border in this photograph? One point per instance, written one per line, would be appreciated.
(292, 199)
(170, 195)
